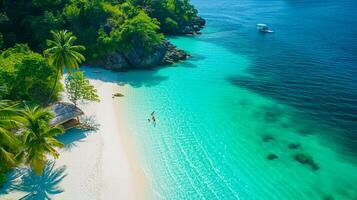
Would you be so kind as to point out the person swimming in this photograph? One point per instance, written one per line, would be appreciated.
(153, 118)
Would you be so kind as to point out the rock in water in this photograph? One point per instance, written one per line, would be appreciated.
(268, 138)
(193, 27)
(174, 55)
(163, 54)
(294, 146)
(272, 156)
(306, 159)
(199, 21)
(328, 197)
(139, 58)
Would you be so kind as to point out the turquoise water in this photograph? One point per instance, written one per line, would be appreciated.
(221, 113)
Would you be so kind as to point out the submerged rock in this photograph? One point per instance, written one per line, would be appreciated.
(307, 130)
(272, 156)
(327, 197)
(294, 146)
(285, 125)
(306, 159)
(273, 114)
(268, 138)
(243, 102)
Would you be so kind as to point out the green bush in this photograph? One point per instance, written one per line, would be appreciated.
(170, 25)
(26, 74)
(1, 41)
(179, 11)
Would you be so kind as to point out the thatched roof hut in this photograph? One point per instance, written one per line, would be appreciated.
(66, 114)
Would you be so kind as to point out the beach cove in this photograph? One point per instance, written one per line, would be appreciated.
(98, 164)
(249, 116)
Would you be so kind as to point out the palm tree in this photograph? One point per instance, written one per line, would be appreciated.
(2, 89)
(62, 53)
(9, 144)
(39, 137)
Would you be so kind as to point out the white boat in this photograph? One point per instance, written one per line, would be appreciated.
(264, 28)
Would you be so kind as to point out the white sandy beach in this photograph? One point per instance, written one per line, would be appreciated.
(101, 166)
(97, 165)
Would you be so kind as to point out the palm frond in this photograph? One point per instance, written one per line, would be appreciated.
(7, 158)
(38, 137)
(62, 53)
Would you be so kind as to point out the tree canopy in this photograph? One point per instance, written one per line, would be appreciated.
(78, 88)
(26, 75)
(102, 26)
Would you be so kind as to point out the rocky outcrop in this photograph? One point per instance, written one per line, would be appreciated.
(163, 54)
(173, 55)
(272, 156)
(268, 138)
(200, 21)
(116, 62)
(195, 27)
(307, 160)
(138, 57)
(294, 146)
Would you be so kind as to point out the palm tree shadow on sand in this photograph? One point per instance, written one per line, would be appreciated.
(74, 137)
(36, 187)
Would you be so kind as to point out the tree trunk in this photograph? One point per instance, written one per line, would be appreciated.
(53, 88)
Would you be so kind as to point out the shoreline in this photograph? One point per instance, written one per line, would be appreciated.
(119, 175)
(122, 176)
(101, 164)
(138, 173)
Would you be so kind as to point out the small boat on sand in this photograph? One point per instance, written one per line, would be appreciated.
(264, 28)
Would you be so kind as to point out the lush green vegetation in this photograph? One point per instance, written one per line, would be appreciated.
(173, 15)
(78, 88)
(62, 53)
(38, 137)
(34, 138)
(102, 26)
(26, 74)
(26, 136)
(9, 143)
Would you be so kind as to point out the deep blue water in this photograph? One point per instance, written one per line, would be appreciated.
(309, 63)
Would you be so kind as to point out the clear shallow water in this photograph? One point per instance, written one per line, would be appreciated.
(214, 110)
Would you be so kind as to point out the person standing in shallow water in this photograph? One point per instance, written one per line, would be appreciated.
(153, 118)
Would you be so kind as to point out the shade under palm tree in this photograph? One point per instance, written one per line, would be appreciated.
(39, 137)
